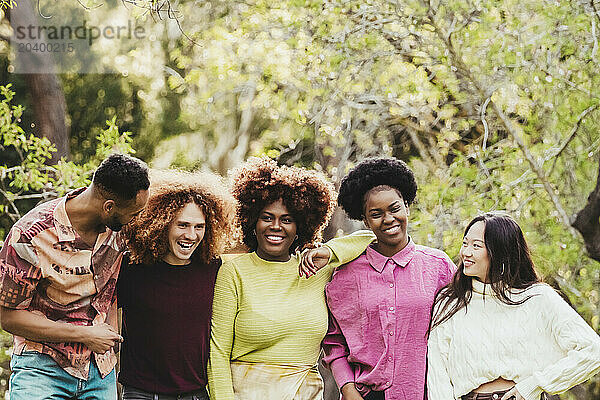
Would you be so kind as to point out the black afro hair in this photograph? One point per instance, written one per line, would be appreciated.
(371, 173)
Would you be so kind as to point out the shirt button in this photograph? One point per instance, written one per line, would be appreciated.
(390, 358)
(391, 308)
(391, 333)
(387, 383)
(391, 285)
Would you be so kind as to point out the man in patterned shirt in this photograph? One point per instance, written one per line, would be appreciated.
(58, 270)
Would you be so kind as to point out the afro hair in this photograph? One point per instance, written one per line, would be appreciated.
(371, 173)
(307, 195)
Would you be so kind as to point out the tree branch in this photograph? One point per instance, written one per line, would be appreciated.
(571, 134)
(587, 221)
(465, 71)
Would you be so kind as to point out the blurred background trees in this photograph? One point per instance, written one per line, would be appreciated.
(493, 104)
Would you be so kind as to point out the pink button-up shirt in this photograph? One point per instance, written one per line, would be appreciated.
(379, 314)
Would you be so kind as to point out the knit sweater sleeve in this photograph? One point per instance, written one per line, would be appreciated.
(347, 248)
(575, 337)
(439, 384)
(225, 308)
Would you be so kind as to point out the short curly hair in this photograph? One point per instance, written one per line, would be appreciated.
(170, 191)
(308, 195)
(371, 173)
(122, 176)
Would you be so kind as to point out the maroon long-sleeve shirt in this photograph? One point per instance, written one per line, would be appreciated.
(166, 325)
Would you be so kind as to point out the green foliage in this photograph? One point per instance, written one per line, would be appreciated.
(29, 179)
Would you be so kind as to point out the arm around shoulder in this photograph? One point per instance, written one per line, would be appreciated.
(347, 248)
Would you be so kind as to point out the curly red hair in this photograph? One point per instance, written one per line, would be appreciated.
(308, 195)
(170, 191)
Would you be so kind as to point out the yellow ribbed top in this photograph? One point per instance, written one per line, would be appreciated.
(265, 312)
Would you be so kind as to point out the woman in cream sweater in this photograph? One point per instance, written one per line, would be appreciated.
(499, 333)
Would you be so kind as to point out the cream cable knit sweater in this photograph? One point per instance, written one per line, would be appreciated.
(542, 345)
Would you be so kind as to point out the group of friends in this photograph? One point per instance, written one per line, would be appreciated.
(395, 320)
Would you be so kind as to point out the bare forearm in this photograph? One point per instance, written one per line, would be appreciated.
(349, 392)
(39, 328)
(98, 338)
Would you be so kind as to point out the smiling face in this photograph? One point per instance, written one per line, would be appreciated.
(275, 232)
(386, 214)
(185, 234)
(474, 254)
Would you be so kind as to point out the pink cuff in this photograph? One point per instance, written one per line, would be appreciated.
(342, 371)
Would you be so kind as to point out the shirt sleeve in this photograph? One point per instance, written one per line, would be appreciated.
(347, 248)
(578, 341)
(439, 384)
(448, 272)
(19, 271)
(225, 308)
(336, 354)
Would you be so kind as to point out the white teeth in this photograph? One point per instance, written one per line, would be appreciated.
(275, 238)
(393, 229)
(185, 245)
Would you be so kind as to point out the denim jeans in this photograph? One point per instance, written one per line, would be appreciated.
(131, 393)
(36, 376)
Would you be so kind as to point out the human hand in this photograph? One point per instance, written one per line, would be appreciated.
(312, 260)
(512, 394)
(100, 338)
(349, 392)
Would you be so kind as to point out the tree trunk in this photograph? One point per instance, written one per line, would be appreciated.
(587, 221)
(49, 108)
(47, 97)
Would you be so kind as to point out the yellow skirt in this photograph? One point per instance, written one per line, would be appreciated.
(258, 381)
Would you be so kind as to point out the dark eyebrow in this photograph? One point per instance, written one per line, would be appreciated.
(393, 204)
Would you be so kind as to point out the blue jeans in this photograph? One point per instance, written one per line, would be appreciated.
(36, 376)
(131, 393)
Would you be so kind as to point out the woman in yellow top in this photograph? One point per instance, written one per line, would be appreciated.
(268, 322)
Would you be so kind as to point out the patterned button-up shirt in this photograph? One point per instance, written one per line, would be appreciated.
(46, 268)
(379, 315)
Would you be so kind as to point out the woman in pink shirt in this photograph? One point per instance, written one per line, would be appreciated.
(380, 303)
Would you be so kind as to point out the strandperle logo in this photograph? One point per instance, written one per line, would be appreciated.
(79, 32)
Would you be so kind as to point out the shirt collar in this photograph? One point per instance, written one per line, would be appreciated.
(401, 258)
(64, 230)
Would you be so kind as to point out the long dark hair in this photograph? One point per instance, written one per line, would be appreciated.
(511, 268)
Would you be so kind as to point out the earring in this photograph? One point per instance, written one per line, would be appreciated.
(295, 237)
(502, 273)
